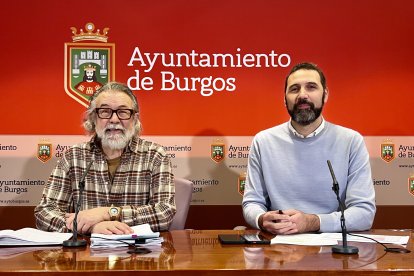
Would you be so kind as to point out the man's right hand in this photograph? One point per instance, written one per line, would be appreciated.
(87, 218)
(275, 223)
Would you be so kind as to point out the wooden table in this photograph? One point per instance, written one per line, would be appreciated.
(198, 252)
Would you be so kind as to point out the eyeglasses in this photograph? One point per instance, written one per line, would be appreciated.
(106, 113)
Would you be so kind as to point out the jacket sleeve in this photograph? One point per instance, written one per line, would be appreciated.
(56, 198)
(160, 209)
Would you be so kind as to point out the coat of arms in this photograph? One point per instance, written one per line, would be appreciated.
(44, 152)
(241, 183)
(387, 151)
(411, 185)
(217, 151)
(89, 63)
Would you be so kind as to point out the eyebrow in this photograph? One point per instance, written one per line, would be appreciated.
(121, 106)
(291, 86)
(306, 83)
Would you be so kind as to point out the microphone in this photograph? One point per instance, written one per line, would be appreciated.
(74, 242)
(344, 248)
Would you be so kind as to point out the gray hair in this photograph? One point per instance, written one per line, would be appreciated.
(89, 121)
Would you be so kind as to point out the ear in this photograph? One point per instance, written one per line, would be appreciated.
(284, 100)
(326, 92)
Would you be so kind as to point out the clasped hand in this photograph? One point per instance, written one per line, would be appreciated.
(290, 222)
(97, 220)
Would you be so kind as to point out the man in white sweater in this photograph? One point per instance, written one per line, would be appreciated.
(289, 186)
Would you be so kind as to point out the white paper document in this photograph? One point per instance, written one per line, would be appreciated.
(333, 238)
(303, 239)
(31, 236)
(381, 238)
(142, 231)
(142, 235)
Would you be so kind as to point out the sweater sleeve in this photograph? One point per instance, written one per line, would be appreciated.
(255, 193)
(359, 194)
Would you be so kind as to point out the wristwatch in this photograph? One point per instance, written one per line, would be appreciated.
(115, 212)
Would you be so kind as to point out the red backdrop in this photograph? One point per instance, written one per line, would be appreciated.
(365, 48)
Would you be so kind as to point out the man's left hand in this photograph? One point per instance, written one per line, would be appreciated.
(111, 227)
(302, 222)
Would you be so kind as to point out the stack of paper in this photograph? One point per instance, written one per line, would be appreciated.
(142, 235)
(31, 237)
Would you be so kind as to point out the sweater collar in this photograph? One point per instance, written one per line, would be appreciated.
(313, 134)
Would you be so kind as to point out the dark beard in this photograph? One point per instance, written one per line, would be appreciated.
(305, 117)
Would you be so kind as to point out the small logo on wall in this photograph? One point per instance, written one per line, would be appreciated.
(411, 184)
(89, 62)
(44, 152)
(217, 151)
(387, 151)
(241, 183)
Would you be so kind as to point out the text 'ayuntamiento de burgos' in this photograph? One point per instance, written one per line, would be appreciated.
(205, 85)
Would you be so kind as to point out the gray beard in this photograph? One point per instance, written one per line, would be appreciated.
(117, 141)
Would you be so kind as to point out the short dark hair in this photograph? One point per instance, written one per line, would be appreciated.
(307, 66)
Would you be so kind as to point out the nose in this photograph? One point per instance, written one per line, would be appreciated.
(114, 118)
(303, 94)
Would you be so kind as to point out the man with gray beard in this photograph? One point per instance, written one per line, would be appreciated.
(128, 181)
(289, 186)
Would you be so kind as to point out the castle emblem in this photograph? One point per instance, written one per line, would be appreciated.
(411, 184)
(44, 152)
(89, 62)
(241, 183)
(387, 151)
(217, 151)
